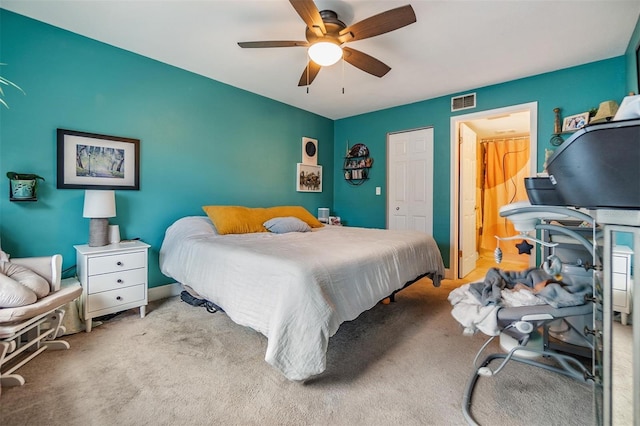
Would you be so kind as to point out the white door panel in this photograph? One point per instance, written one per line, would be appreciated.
(468, 164)
(410, 171)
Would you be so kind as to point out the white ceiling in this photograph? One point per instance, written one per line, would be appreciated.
(501, 125)
(453, 47)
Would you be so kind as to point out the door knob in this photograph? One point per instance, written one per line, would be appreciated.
(397, 208)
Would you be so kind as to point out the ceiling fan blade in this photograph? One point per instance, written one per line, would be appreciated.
(382, 23)
(310, 15)
(365, 62)
(276, 43)
(309, 74)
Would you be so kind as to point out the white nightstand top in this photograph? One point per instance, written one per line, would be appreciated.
(621, 250)
(122, 245)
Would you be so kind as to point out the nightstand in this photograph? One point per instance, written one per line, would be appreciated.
(113, 278)
(622, 285)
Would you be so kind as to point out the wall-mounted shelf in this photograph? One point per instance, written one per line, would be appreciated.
(357, 164)
(22, 186)
(23, 199)
(556, 137)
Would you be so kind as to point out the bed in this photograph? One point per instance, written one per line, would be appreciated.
(296, 288)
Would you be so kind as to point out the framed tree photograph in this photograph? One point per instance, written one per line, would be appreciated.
(93, 161)
(308, 178)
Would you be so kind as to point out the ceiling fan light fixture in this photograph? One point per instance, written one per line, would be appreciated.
(325, 53)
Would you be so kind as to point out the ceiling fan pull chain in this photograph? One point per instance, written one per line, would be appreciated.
(308, 66)
(343, 75)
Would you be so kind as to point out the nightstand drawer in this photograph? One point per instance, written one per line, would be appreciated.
(117, 262)
(115, 280)
(619, 300)
(115, 298)
(619, 264)
(619, 281)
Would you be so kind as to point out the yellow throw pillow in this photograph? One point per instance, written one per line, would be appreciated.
(236, 219)
(245, 220)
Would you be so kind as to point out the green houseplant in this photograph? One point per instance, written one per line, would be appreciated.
(5, 82)
(23, 185)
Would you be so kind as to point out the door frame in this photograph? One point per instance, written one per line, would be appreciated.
(532, 107)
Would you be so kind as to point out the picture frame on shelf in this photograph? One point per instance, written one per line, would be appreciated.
(94, 161)
(335, 221)
(308, 178)
(575, 122)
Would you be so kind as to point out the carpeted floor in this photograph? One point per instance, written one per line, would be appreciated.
(406, 363)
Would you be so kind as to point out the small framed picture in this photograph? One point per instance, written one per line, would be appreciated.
(335, 221)
(575, 122)
(308, 178)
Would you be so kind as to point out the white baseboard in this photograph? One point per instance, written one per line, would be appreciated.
(448, 274)
(164, 291)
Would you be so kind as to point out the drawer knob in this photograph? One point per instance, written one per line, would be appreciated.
(118, 298)
(119, 281)
(119, 263)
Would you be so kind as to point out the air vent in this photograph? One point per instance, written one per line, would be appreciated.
(463, 102)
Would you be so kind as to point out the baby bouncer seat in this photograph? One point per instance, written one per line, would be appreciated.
(524, 330)
(27, 331)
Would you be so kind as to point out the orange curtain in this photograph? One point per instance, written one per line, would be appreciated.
(506, 166)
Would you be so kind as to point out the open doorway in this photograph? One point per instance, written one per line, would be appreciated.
(492, 152)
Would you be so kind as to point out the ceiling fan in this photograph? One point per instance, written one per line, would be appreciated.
(326, 31)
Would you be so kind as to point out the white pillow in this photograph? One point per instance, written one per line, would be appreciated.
(282, 225)
(20, 286)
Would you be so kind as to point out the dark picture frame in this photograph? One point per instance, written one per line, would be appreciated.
(94, 161)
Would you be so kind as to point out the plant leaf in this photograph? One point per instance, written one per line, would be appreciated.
(10, 83)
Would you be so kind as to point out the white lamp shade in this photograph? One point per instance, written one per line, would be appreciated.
(325, 53)
(99, 204)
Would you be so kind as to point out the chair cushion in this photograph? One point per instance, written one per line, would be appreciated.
(14, 294)
(48, 303)
(20, 285)
(27, 277)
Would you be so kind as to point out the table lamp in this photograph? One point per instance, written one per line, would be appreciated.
(606, 111)
(99, 205)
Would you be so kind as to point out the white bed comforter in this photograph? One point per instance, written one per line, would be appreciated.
(296, 288)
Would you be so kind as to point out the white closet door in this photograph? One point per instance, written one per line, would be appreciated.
(410, 180)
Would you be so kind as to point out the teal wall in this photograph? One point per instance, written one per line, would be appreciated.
(202, 142)
(574, 90)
